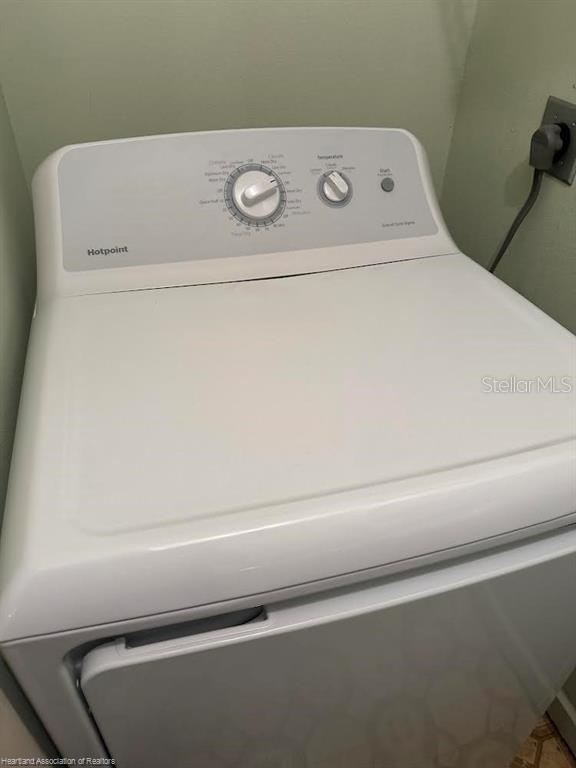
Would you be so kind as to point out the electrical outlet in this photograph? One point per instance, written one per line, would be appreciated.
(563, 114)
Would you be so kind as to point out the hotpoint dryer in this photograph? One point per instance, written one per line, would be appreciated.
(294, 482)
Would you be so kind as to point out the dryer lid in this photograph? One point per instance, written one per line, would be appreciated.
(190, 445)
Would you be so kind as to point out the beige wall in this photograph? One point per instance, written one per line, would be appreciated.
(17, 285)
(81, 70)
(521, 52)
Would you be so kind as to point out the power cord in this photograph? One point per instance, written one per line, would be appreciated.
(521, 215)
(546, 145)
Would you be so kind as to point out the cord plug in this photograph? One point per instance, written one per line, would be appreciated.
(545, 144)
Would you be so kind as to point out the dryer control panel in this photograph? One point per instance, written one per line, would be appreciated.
(236, 195)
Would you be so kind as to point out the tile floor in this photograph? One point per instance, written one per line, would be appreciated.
(544, 749)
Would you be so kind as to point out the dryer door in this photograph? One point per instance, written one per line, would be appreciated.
(445, 667)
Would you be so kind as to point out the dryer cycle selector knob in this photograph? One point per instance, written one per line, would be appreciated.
(335, 188)
(255, 195)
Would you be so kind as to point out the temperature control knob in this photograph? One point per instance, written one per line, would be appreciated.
(255, 195)
(335, 188)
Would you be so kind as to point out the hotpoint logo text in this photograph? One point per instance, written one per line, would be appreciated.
(107, 251)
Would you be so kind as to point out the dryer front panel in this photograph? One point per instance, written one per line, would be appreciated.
(404, 673)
